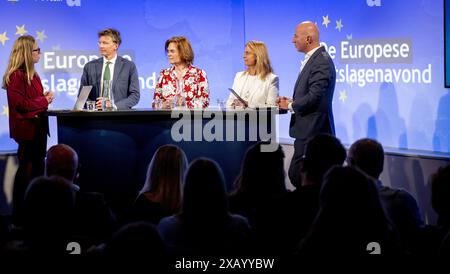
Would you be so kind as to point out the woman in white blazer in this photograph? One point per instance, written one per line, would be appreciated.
(257, 85)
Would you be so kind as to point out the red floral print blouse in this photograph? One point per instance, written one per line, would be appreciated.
(193, 86)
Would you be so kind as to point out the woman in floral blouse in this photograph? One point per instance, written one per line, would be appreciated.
(182, 83)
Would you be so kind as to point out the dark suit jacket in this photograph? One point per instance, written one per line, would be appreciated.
(125, 82)
(26, 104)
(313, 95)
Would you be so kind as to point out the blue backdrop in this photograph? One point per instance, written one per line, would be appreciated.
(388, 54)
(447, 41)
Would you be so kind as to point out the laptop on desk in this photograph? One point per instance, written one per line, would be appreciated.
(82, 97)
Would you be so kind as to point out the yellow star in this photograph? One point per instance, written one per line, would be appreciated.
(3, 38)
(350, 36)
(21, 30)
(5, 111)
(41, 35)
(342, 96)
(325, 21)
(339, 25)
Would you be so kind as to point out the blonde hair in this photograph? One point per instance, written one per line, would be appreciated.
(165, 177)
(21, 58)
(263, 66)
(184, 47)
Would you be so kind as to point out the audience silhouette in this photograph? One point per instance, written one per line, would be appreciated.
(204, 225)
(161, 194)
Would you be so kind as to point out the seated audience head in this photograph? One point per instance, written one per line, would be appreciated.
(49, 209)
(321, 153)
(179, 51)
(262, 173)
(257, 57)
(352, 197)
(62, 160)
(368, 155)
(140, 240)
(204, 196)
(350, 215)
(350, 192)
(440, 194)
(165, 176)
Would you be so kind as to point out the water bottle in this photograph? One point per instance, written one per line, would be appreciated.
(179, 102)
(108, 97)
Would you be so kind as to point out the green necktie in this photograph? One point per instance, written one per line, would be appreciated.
(106, 79)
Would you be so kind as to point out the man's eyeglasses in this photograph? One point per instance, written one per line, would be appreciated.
(38, 50)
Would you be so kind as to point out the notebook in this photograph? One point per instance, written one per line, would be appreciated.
(82, 97)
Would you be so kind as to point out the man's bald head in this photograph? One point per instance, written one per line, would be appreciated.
(306, 36)
(310, 28)
(62, 160)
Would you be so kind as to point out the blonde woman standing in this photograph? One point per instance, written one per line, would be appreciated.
(257, 85)
(27, 103)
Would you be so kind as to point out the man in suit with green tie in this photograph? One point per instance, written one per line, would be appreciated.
(111, 75)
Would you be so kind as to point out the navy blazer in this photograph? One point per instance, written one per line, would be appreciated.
(312, 99)
(125, 82)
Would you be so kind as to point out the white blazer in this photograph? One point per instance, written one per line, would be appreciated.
(258, 93)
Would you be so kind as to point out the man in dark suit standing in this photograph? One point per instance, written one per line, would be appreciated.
(114, 69)
(311, 105)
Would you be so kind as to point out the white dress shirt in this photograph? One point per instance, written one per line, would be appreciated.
(303, 64)
(111, 69)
